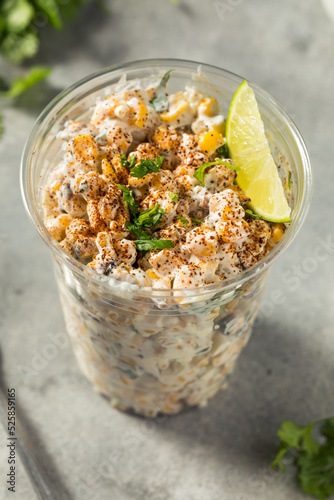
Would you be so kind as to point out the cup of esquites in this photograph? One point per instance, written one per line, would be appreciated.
(165, 190)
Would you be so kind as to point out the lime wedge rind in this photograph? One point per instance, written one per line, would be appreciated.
(250, 150)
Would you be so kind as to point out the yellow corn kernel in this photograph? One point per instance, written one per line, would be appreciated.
(84, 148)
(141, 114)
(65, 219)
(210, 141)
(277, 232)
(108, 169)
(208, 106)
(210, 249)
(204, 362)
(124, 380)
(173, 114)
(151, 274)
(56, 185)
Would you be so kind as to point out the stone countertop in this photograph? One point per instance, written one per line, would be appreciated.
(223, 452)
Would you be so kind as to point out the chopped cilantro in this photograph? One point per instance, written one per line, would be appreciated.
(196, 221)
(223, 151)
(184, 220)
(199, 172)
(146, 167)
(160, 104)
(23, 83)
(129, 199)
(128, 162)
(145, 245)
(165, 78)
(173, 196)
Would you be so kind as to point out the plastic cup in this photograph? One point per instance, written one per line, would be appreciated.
(147, 350)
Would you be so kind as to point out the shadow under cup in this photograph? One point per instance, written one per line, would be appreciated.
(158, 350)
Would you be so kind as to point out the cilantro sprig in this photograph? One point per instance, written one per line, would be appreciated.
(222, 151)
(173, 196)
(196, 221)
(145, 245)
(20, 22)
(160, 102)
(199, 172)
(129, 199)
(142, 222)
(20, 84)
(315, 460)
(184, 220)
(145, 167)
(128, 162)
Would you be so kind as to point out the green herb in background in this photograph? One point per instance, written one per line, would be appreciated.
(21, 84)
(315, 461)
(21, 21)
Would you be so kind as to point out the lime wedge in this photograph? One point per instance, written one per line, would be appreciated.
(248, 147)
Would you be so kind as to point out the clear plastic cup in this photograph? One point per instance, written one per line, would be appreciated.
(158, 350)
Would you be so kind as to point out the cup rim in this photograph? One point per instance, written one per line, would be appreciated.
(101, 281)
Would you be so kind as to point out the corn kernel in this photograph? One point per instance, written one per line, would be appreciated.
(277, 232)
(108, 169)
(210, 141)
(173, 114)
(141, 114)
(208, 106)
(151, 274)
(84, 148)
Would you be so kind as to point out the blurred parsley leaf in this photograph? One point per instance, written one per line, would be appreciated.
(23, 83)
(315, 461)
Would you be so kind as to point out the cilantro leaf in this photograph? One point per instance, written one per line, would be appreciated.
(151, 217)
(146, 167)
(315, 461)
(17, 15)
(129, 199)
(138, 231)
(184, 220)
(196, 221)
(145, 245)
(145, 220)
(19, 46)
(165, 78)
(160, 104)
(51, 9)
(23, 83)
(128, 162)
(173, 196)
(223, 151)
(199, 172)
(1, 125)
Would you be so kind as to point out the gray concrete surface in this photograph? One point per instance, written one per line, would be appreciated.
(224, 452)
